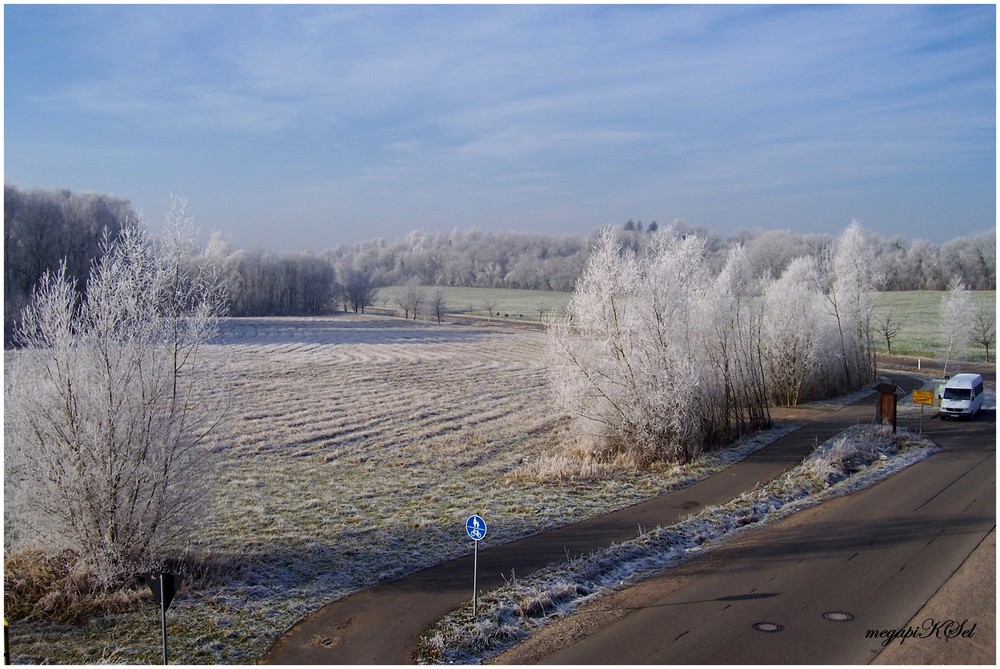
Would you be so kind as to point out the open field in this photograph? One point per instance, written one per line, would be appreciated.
(352, 451)
(509, 303)
(919, 312)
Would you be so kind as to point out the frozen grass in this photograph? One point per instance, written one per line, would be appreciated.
(353, 448)
(919, 315)
(853, 460)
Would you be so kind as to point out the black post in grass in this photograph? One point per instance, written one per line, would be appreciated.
(164, 587)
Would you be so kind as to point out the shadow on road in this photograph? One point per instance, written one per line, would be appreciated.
(835, 539)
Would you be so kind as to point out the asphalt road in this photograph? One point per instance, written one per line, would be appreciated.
(878, 556)
(381, 625)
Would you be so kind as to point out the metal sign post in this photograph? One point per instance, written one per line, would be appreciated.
(923, 397)
(163, 587)
(475, 527)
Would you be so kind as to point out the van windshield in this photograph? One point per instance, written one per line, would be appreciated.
(957, 394)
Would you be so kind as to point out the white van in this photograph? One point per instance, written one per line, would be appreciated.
(962, 396)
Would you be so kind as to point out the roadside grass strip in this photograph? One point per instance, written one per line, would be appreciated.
(855, 459)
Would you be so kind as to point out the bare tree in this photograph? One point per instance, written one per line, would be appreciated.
(888, 326)
(490, 303)
(101, 433)
(984, 330)
(45, 229)
(542, 308)
(400, 299)
(410, 298)
(359, 290)
(438, 304)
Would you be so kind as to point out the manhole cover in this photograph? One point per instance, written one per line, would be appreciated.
(838, 616)
(768, 627)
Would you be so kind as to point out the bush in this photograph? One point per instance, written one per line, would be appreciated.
(103, 455)
(58, 587)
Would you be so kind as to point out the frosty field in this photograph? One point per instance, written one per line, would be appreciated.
(351, 450)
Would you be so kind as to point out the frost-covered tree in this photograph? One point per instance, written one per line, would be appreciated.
(596, 376)
(852, 282)
(410, 299)
(793, 331)
(359, 290)
(101, 436)
(652, 363)
(733, 344)
(956, 321)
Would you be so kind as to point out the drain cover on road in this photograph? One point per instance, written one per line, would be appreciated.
(838, 616)
(768, 627)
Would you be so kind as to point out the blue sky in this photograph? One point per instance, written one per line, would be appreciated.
(298, 127)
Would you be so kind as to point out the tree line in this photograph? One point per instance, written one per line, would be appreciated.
(44, 228)
(660, 356)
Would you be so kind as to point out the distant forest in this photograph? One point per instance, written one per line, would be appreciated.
(44, 228)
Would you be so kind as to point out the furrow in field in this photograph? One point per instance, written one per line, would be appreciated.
(322, 399)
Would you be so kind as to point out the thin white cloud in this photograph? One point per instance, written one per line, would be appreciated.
(612, 103)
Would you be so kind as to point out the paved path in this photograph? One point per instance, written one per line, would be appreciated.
(381, 625)
(871, 560)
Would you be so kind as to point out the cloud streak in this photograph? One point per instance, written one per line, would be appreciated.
(735, 100)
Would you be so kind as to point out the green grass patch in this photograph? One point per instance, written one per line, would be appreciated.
(918, 312)
(531, 305)
(919, 315)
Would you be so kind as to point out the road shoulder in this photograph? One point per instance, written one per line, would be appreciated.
(969, 595)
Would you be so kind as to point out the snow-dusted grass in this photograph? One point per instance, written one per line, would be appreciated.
(353, 448)
(853, 460)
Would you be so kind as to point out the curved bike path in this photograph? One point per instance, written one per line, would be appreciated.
(381, 625)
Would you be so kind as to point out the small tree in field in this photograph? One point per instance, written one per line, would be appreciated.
(888, 326)
(956, 321)
(102, 438)
(359, 291)
(490, 304)
(542, 308)
(438, 304)
(984, 330)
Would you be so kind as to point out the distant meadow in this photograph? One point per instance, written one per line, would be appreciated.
(918, 312)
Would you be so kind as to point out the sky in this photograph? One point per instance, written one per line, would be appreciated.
(295, 128)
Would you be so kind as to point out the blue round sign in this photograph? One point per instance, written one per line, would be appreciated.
(476, 527)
